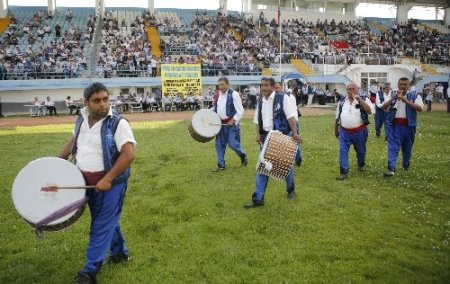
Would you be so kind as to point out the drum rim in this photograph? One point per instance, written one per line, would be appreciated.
(197, 136)
(60, 226)
(213, 115)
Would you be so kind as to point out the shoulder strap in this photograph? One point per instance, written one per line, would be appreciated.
(341, 105)
(260, 121)
(78, 123)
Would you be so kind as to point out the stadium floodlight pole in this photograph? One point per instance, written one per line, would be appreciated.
(279, 24)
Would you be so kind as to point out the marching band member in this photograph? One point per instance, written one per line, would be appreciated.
(352, 118)
(401, 117)
(104, 144)
(381, 96)
(275, 112)
(228, 105)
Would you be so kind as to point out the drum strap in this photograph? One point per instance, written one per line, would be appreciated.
(58, 214)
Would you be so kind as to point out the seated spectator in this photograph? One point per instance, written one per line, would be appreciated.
(71, 106)
(50, 105)
(166, 103)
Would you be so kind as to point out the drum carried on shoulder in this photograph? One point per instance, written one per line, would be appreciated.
(277, 155)
(40, 202)
(205, 125)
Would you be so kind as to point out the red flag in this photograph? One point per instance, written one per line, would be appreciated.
(278, 15)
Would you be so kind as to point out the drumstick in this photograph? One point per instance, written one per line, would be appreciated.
(217, 124)
(56, 188)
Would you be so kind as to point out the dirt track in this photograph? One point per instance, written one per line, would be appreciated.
(12, 122)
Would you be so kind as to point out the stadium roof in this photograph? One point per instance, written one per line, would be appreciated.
(438, 3)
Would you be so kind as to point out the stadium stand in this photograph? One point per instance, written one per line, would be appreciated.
(228, 46)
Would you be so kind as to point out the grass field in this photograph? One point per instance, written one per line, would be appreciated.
(184, 224)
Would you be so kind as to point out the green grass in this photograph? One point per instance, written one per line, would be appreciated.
(184, 224)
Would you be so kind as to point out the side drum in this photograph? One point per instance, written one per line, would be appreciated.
(277, 155)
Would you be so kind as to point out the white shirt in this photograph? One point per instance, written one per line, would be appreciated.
(293, 102)
(222, 106)
(378, 102)
(350, 115)
(373, 88)
(289, 109)
(89, 142)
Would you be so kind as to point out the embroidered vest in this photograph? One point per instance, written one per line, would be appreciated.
(110, 151)
(280, 121)
(230, 109)
(364, 114)
(411, 114)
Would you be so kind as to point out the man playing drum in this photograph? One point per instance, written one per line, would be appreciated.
(228, 105)
(104, 144)
(275, 112)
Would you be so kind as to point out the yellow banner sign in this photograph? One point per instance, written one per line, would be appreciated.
(181, 79)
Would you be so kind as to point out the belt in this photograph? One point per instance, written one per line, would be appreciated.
(400, 121)
(92, 178)
(354, 130)
(225, 121)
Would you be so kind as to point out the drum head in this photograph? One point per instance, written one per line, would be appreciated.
(206, 123)
(32, 203)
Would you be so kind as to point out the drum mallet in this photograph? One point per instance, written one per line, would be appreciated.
(54, 188)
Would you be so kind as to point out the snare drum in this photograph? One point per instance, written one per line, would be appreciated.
(204, 126)
(277, 155)
(49, 211)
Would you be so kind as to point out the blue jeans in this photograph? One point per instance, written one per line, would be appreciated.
(262, 180)
(358, 140)
(402, 136)
(379, 120)
(230, 135)
(105, 233)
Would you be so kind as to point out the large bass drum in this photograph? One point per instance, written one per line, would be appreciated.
(49, 211)
(204, 126)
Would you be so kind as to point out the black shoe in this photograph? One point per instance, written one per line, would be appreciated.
(219, 169)
(253, 205)
(406, 168)
(244, 161)
(342, 177)
(362, 169)
(116, 259)
(298, 163)
(291, 195)
(85, 278)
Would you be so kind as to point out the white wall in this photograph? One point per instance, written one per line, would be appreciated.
(394, 72)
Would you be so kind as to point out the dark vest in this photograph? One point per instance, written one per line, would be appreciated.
(110, 151)
(280, 121)
(411, 114)
(230, 109)
(364, 114)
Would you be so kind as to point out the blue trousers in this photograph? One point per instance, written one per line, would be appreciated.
(105, 234)
(230, 135)
(298, 155)
(358, 140)
(261, 184)
(379, 121)
(401, 137)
